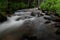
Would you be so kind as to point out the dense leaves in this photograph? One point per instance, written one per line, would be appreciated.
(13, 6)
(10, 6)
(51, 5)
(3, 5)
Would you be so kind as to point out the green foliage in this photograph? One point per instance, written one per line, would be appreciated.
(17, 5)
(3, 5)
(44, 6)
(33, 4)
(51, 5)
(48, 5)
(13, 6)
(58, 7)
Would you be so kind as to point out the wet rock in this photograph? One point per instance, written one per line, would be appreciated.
(33, 38)
(38, 14)
(48, 18)
(33, 14)
(45, 31)
(27, 17)
(42, 14)
(43, 11)
(46, 14)
(18, 19)
(2, 18)
(39, 9)
(32, 30)
(57, 24)
(56, 20)
(56, 14)
(25, 37)
(58, 37)
(58, 32)
(47, 22)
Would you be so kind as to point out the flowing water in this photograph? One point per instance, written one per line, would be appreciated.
(39, 22)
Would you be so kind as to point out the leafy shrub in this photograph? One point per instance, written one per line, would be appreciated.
(51, 5)
(17, 5)
(48, 5)
(3, 5)
(58, 7)
(44, 6)
(33, 4)
(13, 6)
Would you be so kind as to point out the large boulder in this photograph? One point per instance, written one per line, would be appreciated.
(37, 13)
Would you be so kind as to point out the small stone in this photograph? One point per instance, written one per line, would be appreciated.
(48, 18)
(58, 32)
(47, 22)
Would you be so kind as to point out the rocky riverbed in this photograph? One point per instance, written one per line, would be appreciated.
(34, 26)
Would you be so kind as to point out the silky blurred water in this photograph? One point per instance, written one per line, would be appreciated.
(12, 23)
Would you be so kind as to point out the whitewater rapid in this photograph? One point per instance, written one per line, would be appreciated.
(11, 23)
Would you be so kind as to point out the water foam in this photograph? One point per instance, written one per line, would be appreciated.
(12, 23)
